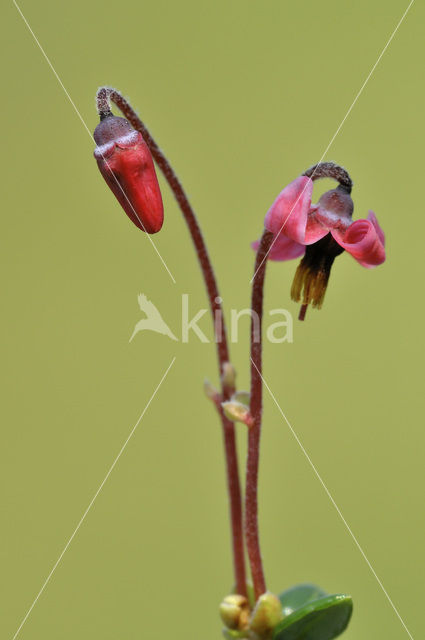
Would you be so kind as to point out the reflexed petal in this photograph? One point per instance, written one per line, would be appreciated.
(288, 214)
(374, 221)
(364, 240)
(283, 248)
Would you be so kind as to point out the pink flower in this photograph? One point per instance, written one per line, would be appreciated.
(126, 164)
(294, 216)
(321, 232)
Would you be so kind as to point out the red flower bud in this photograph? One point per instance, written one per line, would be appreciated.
(125, 162)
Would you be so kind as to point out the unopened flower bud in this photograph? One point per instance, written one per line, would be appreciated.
(126, 164)
(266, 615)
(242, 396)
(234, 611)
(237, 412)
(210, 391)
(228, 377)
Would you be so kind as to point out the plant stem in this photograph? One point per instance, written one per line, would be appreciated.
(104, 95)
(330, 170)
(254, 433)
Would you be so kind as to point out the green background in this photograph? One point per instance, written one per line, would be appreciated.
(242, 96)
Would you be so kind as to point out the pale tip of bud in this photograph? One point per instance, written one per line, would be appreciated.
(242, 396)
(210, 391)
(237, 412)
(234, 611)
(267, 614)
(228, 377)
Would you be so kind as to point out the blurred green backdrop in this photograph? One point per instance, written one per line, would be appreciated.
(242, 96)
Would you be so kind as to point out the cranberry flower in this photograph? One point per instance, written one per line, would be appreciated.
(320, 232)
(126, 164)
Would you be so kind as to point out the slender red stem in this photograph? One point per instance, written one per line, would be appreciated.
(254, 433)
(303, 311)
(104, 95)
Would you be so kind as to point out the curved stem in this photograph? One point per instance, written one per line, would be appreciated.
(104, 96)
(330, 170)
(254, 433)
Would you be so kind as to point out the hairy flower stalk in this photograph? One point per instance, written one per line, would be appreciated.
(330, 170)
(254, 432)
(294, 227)
(105, 95)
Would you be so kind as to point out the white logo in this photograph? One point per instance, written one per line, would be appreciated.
(276, 333)
(153, 320)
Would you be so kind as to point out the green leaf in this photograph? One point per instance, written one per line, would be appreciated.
(299, 595)
(321, 619)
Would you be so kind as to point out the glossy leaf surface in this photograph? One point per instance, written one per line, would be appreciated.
(299, 595)
(322, 619)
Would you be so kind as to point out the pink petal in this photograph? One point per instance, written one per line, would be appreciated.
(364, 240)
(374, 221)
(315, 229)
(283, 248)
(288, 214)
